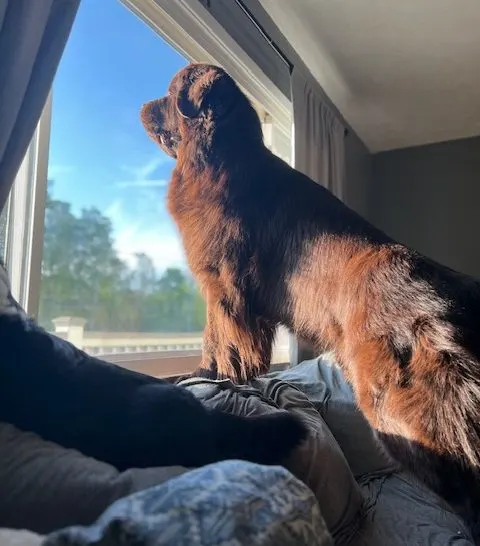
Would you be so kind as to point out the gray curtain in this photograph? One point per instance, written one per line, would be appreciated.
(318, 152)
(319, 137)
(33, 34)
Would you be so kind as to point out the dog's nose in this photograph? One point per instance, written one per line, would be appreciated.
(151, 116)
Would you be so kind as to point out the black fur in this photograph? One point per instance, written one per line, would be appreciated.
(124, 418)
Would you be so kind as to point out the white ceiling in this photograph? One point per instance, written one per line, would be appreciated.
(401, 72)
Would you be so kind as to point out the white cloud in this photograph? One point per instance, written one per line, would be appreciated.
(140, 176)
(115, 211)
(134, 231)
(131, 237)
(164, 249)
(146, 169)
(147, 183)
(57, 170)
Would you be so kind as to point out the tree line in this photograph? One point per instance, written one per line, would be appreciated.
(83, 276)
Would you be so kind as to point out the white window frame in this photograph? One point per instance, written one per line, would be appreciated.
(176, 21)
(26, 217)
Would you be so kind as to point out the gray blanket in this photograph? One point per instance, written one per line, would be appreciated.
(362, 496)
(319, 463)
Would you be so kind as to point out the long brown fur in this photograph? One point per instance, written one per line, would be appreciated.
(269, 246)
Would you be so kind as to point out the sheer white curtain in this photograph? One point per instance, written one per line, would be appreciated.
(318, 152)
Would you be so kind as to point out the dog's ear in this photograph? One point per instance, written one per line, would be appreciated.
(209, 88)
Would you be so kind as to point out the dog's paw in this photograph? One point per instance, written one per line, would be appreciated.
(274, 437)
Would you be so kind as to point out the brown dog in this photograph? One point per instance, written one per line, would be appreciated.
(269, 246)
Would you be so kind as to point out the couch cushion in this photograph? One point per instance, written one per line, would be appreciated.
(319, 463)
(44, 487)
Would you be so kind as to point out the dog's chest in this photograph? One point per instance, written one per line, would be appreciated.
(208, 233)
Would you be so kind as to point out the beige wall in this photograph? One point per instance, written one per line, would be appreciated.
(428, 197)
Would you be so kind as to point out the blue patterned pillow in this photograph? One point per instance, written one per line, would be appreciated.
(228, 503)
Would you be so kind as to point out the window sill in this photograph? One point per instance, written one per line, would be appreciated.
(166, 364)
(159, 364)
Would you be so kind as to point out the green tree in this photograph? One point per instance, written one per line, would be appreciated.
(145, 275)
(182, 308)
(81, 272)
(82, 275)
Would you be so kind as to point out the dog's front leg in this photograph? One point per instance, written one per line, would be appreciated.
(236, 345)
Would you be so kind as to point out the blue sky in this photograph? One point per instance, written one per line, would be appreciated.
(99, 153)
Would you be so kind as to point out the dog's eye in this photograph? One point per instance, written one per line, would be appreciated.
(166, 140)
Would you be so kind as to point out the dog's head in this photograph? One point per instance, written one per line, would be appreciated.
(203, 102)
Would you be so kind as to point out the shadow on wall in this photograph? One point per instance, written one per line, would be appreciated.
(428, 197)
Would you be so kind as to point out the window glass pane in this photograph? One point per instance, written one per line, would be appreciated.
(114, 275)
(114, 278)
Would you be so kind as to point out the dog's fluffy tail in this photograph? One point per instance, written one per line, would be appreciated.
(444, 407)
(463, 407)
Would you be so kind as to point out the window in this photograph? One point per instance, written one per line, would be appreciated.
(114, 279)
